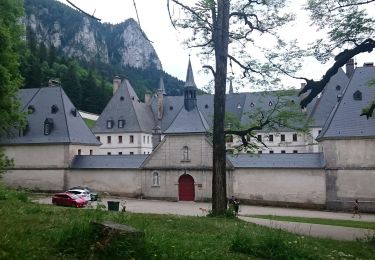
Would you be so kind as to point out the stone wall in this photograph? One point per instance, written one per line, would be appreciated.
(283, 187)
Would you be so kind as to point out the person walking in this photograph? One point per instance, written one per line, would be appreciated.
(356, 209)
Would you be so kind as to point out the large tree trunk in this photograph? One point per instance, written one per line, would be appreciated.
(221, 38)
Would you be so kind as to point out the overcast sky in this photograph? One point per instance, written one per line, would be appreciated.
(167, 41)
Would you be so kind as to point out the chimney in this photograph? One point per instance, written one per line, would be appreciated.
(148, 98)
(116, 83)
(350, 68)
(156, 136)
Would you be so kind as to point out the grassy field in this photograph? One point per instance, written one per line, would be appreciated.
(32, 231)
(90, 123)
(322, 221)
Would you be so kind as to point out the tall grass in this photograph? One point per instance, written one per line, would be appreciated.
(33, 231)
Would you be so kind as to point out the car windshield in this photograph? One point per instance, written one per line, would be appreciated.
(73, 196)
(75, 191)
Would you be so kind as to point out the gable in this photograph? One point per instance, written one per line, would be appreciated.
(171, 153)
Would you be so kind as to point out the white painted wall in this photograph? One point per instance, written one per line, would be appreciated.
(142, 143)
(280, 185)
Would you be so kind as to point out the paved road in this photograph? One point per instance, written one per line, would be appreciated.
(200, 209)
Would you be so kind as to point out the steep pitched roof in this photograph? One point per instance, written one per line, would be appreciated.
(68, 126)
(278, 160)
(188, 122)
(190, 77)
(322, 106)
(108, 162)
(345, 121)
(125, 105)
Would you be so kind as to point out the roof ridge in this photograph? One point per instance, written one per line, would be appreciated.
(132, 105)
(66, 119)
(335, 108)
(36, 92)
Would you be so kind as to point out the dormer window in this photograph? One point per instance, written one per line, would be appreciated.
(251, 104)
(30, 109)
(110, 124)
(74, 112)
(206, 106)
(239, 106)
(54, 109)
(48, 126)
(122, 98)
(121, 123)
(270, 103)
(338, 87)
(357, 95)
(171, 108)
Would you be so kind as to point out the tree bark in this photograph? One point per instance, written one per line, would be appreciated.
(221, 41)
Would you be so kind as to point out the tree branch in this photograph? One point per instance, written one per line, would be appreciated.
(351, 4)
(341, 59)
(210, 68)
(79, 9)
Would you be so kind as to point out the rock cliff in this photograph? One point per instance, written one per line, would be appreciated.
(78, 36)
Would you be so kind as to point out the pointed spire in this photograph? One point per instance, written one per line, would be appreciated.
(161, 86)
(190, 77)
(230, 87)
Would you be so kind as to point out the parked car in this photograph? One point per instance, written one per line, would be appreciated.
(93, 195)
(82, 193)
(68, 199)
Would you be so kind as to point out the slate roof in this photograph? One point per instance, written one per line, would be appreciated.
(108, 161)
(125, 105)
(188, 122)
(67, 128)
(321, 107)
(278, 160)
(345, 120)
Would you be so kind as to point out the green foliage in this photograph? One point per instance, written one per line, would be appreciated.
(271, 244)
(10, 78)
(90, 123)
(33, 231)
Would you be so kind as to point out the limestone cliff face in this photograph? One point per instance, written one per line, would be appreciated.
(81, 37)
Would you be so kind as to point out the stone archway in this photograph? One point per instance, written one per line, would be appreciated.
(186, 190)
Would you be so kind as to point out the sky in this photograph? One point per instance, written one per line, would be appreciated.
(168, 42)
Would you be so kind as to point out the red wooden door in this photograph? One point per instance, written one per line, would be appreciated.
(186, 188)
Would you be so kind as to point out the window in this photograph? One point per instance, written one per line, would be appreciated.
(271, 151)
(79, 151)
(108, 153)
(90, 152)
(294, 137)
(119, 153)
(54, 109)
(357, 95)
(98, 138)
(282, 138)
(155, 179)
(259, 152)
(120, 139)
(229, 139)
(131, 140)
(206, 106)
(338, 87)
(30, 109)
(259, 137)
(270, 103)
(109, 124)
(282, 151)
(144, 139)
(270, 138)
(319, 132)
(48, 126)
(295, 151)
(148, 139)
(122, 98)
(121, 123)
(131, 153)
(108, 140)
(185, 154)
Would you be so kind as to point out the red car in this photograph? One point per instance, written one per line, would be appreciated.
(68, 199)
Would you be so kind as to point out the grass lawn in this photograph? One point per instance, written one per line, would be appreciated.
(33, 231)
(322, 221)
(90, 123)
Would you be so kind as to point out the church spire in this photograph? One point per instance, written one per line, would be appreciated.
(190, 90)
(161, 86)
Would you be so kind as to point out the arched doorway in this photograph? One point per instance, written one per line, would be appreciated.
(186, 190)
